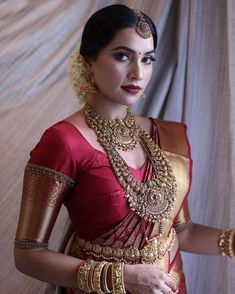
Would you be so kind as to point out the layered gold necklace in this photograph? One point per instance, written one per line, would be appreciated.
(122, 134)
(152, 200)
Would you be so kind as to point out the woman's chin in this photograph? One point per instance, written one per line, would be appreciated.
(130, 99)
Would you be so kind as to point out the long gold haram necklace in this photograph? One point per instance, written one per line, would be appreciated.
(152, 200)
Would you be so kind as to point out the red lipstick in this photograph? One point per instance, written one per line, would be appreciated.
(131, 89)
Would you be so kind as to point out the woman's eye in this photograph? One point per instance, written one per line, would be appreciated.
(122, 57)
(148, 59)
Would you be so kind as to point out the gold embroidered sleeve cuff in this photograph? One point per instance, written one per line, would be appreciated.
(25, 244)
(43, 192)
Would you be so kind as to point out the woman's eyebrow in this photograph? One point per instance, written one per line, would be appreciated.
(130, 50)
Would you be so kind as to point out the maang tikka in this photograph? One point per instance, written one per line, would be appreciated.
(142, 27)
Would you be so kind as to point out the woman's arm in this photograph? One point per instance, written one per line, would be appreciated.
(199, 239)
(48, 266)
(60, 269)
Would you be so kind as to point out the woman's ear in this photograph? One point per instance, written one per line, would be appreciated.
(87, 63)
(88, 74)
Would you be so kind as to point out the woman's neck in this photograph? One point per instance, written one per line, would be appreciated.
(108, 109)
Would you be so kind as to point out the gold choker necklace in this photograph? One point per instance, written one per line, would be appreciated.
(154, 199)
(123, 134)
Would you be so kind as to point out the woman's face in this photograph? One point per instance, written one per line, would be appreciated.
(123, 68)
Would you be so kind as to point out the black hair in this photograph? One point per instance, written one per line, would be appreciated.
(103, 25)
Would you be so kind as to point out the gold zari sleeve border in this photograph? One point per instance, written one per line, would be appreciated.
(183, 220)
(43, 193)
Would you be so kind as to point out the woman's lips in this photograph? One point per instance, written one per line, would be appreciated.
(131, 89)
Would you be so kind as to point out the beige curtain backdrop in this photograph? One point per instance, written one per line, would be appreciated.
(193, 81)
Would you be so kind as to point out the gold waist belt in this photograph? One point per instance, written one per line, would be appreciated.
(153, 251)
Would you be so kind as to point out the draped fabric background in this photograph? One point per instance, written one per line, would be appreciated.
(193, 81)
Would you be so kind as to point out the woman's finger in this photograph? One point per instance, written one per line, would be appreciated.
(164, 288)
(170, 283)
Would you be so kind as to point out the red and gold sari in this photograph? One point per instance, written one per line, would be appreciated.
(65, 169)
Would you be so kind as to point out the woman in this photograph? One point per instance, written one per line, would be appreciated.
(124, 179)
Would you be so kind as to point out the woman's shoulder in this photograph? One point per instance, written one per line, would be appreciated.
(61, 138)
(172, 126)
(63, 131)
(172, 135)
(168, 123)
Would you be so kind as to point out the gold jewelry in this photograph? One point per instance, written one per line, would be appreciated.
(87, 86)
(123, 134)
(142, 27)
(183, 226)
(104, 277)
(142, 96)
(80, 77)
(154, 199)
(117, 278)
(24, 244)
(97, 277)
(153, 251)
(90, 276)
(83, 276)
(225, 243)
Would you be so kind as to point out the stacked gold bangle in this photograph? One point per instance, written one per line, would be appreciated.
(92, 277)
(104, 277)
(97, 277)
(225, 243)
(83, 276)
(117, 278)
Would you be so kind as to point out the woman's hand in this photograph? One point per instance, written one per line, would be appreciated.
(148, 279)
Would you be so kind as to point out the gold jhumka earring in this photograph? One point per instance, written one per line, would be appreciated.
(80, 76)
(142, 96)
(87, 85)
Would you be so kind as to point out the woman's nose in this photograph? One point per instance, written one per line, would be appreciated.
(136, 71)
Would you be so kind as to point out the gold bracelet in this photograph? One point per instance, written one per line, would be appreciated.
(183, 226)
(230, 248)
(97, 277)
(104, 278)
(225, 243)
(117, 278)
(83, 276)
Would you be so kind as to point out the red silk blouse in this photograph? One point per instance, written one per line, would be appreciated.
(97, 201)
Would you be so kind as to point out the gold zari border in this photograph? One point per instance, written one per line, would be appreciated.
(24, 244)
(45, 171)
(44, 185)
(43, 193)
(181, 168)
